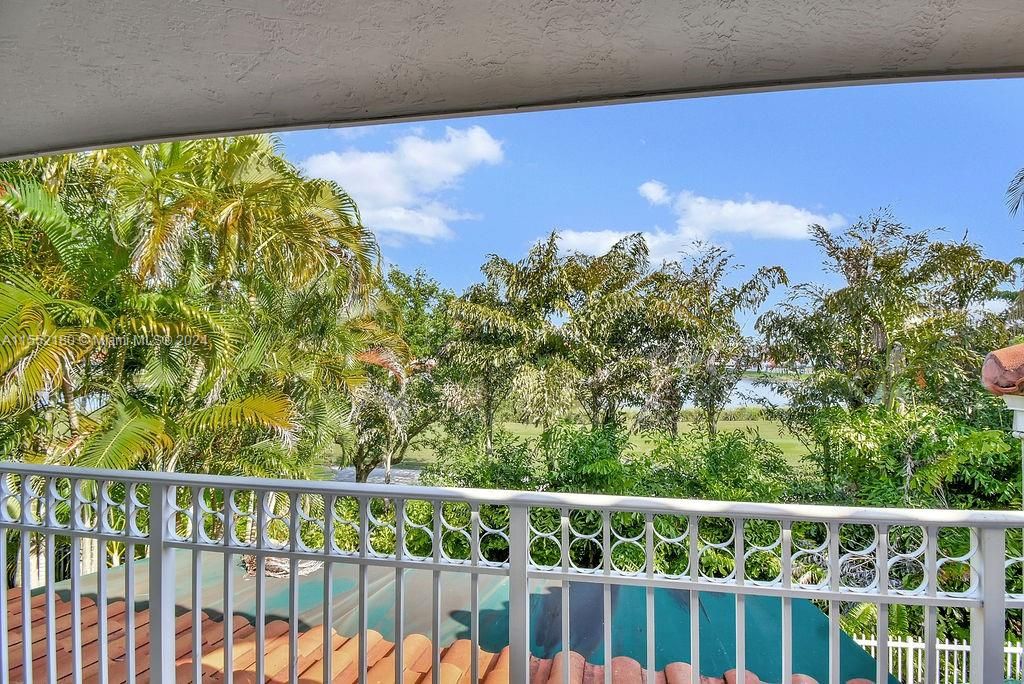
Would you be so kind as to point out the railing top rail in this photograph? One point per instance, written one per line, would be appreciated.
(727, 509)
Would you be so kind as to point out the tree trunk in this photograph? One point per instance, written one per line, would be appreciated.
(611, 415)
(250, 523)
(363, 469)
(709, 414)
(489, 422)
(197, 377)
(673, 422)
(68, 392)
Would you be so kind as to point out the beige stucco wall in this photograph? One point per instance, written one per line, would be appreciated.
(76, 74)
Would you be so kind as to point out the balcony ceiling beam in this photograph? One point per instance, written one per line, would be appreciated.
(88, 74)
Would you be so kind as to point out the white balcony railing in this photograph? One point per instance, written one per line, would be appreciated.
(931, 559)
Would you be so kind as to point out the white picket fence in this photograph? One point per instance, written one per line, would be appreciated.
(907, 656)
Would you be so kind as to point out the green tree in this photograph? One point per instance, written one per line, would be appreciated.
(504, 324)
(702, 351)
(405, 396)
(898, 287)
(906, 324)
(604, 337)
(164, 305)
(559, 332)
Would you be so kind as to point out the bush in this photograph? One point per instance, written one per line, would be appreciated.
(735, 465)
(463, 463)
(914, 456)
(579, 459)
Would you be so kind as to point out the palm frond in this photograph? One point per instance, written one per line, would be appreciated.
(126, 442)
(33, 205)
(270, 410)
(1015, 193)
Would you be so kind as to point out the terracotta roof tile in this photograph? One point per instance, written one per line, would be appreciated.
(455, 659)
(415, 646)
(577, 664)
(626, 671)
(459, 654)
(450, 674)
(498, 674)
(745, 677)
(540, 669)
(486, 661)
(678, 673)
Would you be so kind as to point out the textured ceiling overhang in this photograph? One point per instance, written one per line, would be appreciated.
(88, 74)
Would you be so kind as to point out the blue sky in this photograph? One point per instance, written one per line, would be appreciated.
(744, 171)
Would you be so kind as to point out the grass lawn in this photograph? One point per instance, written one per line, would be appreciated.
(420, 455)
(792, 449)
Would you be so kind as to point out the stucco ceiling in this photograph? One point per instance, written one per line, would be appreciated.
(79, 74)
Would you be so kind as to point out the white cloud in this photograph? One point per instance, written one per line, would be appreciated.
(706, 216)
(398, 190)
(662, 244)
(654, 191)
(588, 241)
(703, 218)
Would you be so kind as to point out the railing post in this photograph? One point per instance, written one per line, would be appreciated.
(988, 621)
(161, 585)
(519, 594)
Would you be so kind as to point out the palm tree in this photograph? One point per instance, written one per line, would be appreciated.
(1015, 193)
(164, 305)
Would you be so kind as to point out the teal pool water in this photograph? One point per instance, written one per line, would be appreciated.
(586, 616)
(763, 624)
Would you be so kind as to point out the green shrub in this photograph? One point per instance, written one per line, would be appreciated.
(915, 455)
(463, 463)
(735, 465)
(580, 459)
